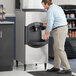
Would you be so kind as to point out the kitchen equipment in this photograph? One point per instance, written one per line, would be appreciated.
(28, 4)
(30, 48)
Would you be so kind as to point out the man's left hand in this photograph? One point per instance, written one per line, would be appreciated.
(45, 37)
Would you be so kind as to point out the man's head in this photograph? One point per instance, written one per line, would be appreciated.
(46, 3)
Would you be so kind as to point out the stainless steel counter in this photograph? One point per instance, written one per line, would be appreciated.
(6, 22)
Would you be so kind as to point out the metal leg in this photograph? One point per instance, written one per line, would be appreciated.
(24, 67)
(45, 65)
(16, 63)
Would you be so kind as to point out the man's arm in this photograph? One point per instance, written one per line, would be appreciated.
(49, 26)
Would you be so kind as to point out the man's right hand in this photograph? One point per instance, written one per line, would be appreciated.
(45, 24)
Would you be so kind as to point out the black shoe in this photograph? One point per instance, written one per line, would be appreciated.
(64, 72)
(53, 70)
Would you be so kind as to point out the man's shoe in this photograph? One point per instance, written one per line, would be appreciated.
(64, 72)
(53, 70)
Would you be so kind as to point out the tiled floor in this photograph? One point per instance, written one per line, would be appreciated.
(20, 71)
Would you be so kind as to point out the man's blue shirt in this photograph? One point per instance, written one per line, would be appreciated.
(55, 17)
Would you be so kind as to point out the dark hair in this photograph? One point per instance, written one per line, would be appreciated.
(49, 2)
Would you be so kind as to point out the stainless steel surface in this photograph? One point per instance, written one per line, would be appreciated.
(31, 4)
(25, 53)
(6, 22)
(36, 55)
(20, 22)
(32, 17)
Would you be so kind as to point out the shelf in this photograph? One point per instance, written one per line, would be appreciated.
(72, 28)
(71, 38)
(71, 18)
(66, 10)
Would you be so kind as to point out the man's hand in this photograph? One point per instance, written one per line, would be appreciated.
(45, 23)
(45, 36)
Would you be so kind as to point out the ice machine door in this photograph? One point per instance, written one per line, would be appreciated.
(34, 36)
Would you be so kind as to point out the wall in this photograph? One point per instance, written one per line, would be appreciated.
(9, 6)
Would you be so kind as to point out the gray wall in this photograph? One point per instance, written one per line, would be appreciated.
(9, 7)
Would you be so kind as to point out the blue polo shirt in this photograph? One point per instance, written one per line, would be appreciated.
(55, 17)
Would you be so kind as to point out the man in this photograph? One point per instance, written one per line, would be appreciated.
(57, 23)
